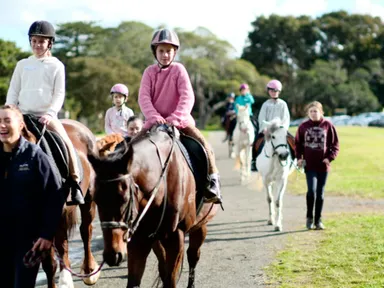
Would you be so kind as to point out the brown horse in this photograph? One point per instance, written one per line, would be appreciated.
(84, 143)
(146, 197)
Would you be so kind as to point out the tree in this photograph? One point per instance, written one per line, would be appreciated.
(9, 55)
(89, 82)
(75, 39)
(130, 42)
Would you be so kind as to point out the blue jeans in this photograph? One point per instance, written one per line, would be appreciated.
(315, 195)
(13, 272)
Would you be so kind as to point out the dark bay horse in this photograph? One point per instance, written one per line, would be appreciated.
(146, 200)
(84, 142)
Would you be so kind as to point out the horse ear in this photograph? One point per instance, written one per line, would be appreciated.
(127, 155)
(94, 160)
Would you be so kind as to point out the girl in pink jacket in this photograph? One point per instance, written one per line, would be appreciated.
(166, 96)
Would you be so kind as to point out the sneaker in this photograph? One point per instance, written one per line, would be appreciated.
(309, 223)
(253, 166)
(319, 226)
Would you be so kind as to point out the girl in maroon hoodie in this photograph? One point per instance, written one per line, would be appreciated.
(317, 145)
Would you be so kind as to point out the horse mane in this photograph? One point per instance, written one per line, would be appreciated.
(275, 125)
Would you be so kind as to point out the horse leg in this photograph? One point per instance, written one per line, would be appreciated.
(279, 204)
(271, 205)
(196, 239)
(138, 251)
(88, 211)
(174, 247)
(61, 243)
(159, 251)
(49, 266)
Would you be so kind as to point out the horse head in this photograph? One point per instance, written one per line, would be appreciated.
(111, 195)
(130, 186)
(243, 117)
(276, 134)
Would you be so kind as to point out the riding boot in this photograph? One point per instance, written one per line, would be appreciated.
(213, 194)
(76, 194)
(253, 165)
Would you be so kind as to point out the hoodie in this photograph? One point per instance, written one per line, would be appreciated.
(38, 86)
(316, 141)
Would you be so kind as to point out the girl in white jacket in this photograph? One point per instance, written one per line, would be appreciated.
(274, 107)
(38, 87)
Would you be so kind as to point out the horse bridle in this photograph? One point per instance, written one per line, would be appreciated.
(129, 223)
(274, 149)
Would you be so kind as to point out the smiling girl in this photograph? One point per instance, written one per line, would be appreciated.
(38, 88)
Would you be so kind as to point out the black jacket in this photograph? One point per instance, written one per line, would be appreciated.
(30, 192)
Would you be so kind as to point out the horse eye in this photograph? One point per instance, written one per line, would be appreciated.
(273, 137)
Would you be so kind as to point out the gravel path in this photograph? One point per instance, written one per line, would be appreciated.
(239, 243)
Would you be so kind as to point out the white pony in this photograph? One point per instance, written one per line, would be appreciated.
(274, 165)
(243, 137)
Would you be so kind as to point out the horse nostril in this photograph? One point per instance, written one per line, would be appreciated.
(283, 156)
(113, 259)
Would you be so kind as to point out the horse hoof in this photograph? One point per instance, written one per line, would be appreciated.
(93, 279)
(65, 280)
(278, 228)
(270, 222)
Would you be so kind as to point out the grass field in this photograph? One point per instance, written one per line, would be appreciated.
(359, 168)
(349, 253)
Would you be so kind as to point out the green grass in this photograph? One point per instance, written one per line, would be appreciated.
(349, 253)
(359, 168)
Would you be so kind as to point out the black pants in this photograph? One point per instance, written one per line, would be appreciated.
(13, 273)
(315, 195)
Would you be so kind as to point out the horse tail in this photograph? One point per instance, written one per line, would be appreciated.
(70, 220)
(237, 162)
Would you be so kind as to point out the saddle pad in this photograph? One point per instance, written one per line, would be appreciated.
(53, 145)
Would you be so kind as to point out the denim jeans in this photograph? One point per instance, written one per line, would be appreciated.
(315, 195)
(13, 272)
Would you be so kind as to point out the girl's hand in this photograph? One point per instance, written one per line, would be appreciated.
(326, 161)
(45, 119)
(300, 163)
(42, 245)
(161, 121)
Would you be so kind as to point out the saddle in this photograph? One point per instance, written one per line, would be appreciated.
(197, 159)
(53, 145)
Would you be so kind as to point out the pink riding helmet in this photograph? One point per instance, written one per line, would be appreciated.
(120, 88)
(275, 84)
(243, 86)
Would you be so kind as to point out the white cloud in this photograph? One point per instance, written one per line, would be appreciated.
(369, 7)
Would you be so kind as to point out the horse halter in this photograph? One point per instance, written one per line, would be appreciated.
(131, 223)
(274, 149)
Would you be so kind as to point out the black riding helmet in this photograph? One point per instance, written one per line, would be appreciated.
(42, 28)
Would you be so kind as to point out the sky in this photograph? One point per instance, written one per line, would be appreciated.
(228, 20)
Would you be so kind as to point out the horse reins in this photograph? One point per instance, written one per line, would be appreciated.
(33, 258)
(131, 224)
